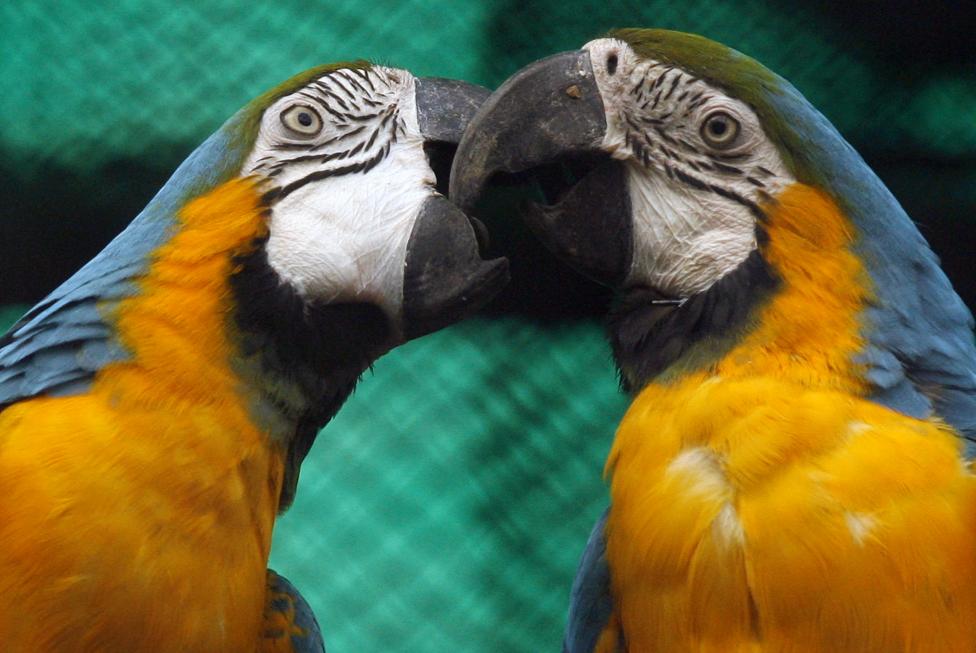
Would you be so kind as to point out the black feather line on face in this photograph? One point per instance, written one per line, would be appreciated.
(319, 349)
(277, 194)
(364, 73)
(640, 141)
(649, 336)
(338, 78)
(363, 93)
(335, 113)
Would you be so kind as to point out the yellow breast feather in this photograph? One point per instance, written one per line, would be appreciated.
(764, 504)
(756, 512)
(149, 501)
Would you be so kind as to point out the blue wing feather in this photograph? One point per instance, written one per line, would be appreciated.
(59, 335)
(286, 607)
(591, 603)
(921, 354)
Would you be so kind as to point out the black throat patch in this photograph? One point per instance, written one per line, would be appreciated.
(305, 358)
(650, 333)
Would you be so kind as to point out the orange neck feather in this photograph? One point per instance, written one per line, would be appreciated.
(809, 330)
(177, 326)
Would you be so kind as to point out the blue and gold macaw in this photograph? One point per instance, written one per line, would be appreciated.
(155, 408)
(795, 472)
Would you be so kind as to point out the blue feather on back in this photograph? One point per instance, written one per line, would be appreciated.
(284, 598)
(591, 603)
(921, 353)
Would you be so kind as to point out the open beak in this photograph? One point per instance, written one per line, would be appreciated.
(445, 279)
(549, 117)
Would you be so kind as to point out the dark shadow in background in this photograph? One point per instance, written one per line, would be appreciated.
(907, 34)
(55, 219)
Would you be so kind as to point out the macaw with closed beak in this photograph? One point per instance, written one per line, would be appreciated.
(156, 407)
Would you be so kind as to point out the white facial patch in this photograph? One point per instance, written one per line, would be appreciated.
(687, 240)
(693, 197)
(350, 195)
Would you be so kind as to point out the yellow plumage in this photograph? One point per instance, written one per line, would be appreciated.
(764, 505)
(138, 516)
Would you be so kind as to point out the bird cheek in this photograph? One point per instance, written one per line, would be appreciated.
(318, 268)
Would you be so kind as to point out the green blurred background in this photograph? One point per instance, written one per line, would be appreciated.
(446, 506)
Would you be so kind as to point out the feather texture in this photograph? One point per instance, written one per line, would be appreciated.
(159, 461)
(764, 515)
(289, 624)
(59, 345)
(920, 354)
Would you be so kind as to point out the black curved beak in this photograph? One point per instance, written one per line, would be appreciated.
(444, 277)
(446, 106)
(551, 113)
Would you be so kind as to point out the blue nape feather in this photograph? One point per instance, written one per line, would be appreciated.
(59, 345)
(921, 354)
(590, 601)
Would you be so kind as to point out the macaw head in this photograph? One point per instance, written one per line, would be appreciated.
(362, 252)
(346, 155)
(301, 241)
(724, 210)
(683, 163)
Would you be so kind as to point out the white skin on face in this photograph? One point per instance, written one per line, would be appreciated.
(341, 235)
(695, 159)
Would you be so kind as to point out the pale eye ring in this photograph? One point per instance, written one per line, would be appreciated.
(302, 120)
(720, 130)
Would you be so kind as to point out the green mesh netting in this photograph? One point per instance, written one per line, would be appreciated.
(446, 506)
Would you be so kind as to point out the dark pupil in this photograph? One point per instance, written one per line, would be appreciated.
(611, 64)
(719, 127)
(305, 119)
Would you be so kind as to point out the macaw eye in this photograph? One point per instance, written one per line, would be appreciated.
(720, 130)
(302, 119)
